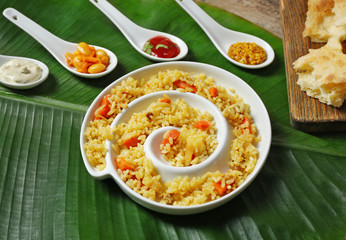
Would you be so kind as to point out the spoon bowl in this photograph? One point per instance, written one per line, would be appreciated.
(137, 35)
(45, 73)
(55, 45)
(223, 37)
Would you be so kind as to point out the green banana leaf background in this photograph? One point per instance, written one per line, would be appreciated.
(46, 192)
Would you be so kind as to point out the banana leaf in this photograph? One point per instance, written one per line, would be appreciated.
(46, 192)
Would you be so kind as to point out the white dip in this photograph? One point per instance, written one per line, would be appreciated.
(20, 71)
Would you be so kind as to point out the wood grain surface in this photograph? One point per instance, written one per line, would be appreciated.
(307, 114)
(264, 13)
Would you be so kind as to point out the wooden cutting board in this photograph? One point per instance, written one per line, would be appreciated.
(307, 114)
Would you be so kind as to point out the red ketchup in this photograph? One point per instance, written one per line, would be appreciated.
(161, 47)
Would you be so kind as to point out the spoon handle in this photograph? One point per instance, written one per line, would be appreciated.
(125, 25)
(48, 40)
(208, 24)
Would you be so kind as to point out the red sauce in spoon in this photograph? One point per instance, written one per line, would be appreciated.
(161, 47)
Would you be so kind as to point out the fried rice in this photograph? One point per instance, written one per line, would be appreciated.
(139, 173)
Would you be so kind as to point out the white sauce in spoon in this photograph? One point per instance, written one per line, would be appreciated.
(19, 71)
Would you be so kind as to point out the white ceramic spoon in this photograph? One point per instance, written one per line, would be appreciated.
(45, 72)
(137, 35)
(55, 45)
(223, 37)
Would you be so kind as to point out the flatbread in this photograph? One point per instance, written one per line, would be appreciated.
(322, 72)
(325, 19)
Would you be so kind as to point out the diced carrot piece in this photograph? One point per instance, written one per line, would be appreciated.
(123, 164)
(218, 187)
(165, 100)
(174, 134)
(103, 112)
(131, 142)
(246, 124)
(203, 124)
(105, 99)
(185, 85)
(213, 92)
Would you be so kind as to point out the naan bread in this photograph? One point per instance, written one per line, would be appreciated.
(325, 19)
(322, 73)
(340, 15)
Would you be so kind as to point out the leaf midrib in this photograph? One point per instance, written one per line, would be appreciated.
(44, 101)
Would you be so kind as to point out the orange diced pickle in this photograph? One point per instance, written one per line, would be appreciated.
(92, 51)
(84, 48)
(69, 58)
(92, 60)
(86, 59)
(100, 53)
(105, 60)
(97, 68)
(77, 61)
